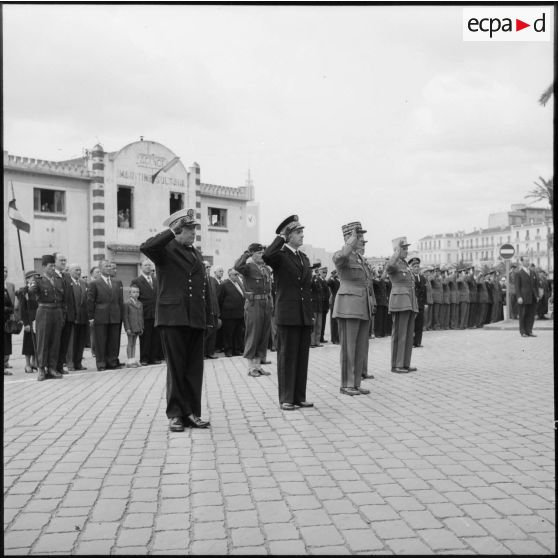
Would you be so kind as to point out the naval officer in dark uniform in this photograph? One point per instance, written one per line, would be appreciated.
(50, 294)
(182, 313)
(293, 311)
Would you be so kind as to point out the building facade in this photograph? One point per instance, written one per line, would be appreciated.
(104, 205)
(529, 230)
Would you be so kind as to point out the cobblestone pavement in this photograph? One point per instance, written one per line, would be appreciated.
(455, 458)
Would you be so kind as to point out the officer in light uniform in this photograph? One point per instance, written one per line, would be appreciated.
(354, 306)
(49, 292)
(257, 307)
(403, 307)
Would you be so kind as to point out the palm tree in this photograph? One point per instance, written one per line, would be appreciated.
(544, 191)
(547, 94)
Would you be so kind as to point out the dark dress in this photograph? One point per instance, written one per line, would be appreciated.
(28, 308)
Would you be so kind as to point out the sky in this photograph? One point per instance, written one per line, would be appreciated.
(378, 114)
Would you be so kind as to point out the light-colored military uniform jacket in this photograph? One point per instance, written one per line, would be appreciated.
(355, 297)
(437, 290)
(402, 295)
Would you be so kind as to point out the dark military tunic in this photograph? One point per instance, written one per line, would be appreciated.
(49, 319)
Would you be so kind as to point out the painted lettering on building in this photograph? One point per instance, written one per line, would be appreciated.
(146, 177)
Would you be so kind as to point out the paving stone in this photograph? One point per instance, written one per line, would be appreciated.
(20, 539)
(247, 536)
(55, 542)
(479, 511)
(362, 540)
(65, 524)
(94, 548)
(209, 530)
(444, 510)
(247, 518)
(171, 540)
(421, 519)
(394, 529)
(321, 536)
(524, 548)
(273, 512)
(532, 523)
(108, 510)
(414, 547)
(30, 521)
(280, 531)
(133, 538)
(104, 530)
(502, 529)
(486, 545)
(465, 527)
(209, 547)
(305, 518)
(302, 502)
(137, 520)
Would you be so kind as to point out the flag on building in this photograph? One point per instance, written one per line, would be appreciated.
(166, 168)
(13, 213)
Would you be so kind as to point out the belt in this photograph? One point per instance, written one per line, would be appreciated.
(252, 296)
(49, 305)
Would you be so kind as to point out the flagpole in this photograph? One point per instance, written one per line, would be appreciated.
(18, 236)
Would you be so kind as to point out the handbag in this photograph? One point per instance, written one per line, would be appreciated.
(13, 327)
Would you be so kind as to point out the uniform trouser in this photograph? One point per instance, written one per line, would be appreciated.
(444, 316)
(150, 342)
(65, 335)
(380, 321)
(183, 349)
(78, 339)
(316, 330)
(48, 322)
(454, 315)
(353, 337)
(436, 307)
(325, 310)
(473, 312)
(273, 333)
(402, 338)
(232, 335)
(257, 318)
(463, 314)
(427, 317)
(527, 317)
(107, 344)
(293, 347)
(334, 328)
(419, 324)
(481, 313)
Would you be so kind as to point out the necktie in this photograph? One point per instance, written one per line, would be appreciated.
(150, 281)
(109, 283)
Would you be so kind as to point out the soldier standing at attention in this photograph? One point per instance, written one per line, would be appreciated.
(354, 307)
(420, 291)
(257, 307)
(293, 311)
(403, 307)
(49, 291)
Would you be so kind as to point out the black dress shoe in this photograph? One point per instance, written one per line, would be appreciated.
(81, 367)
(54, 374)
(176, 424)
(42, 375)
(304, 404)
(417, 346)
(412, 368)
(398, 370)
(349, 391)
(144, 362)
(287, 407)
(197, 422)
(62, 371)
(368, 376)
(228, 354)
(160, 361)
(531, 335)
(101, 368)
(211, 356)
(364, 391)
(524, 335)
(266, 362)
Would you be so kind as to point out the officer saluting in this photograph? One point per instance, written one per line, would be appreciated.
(182, 313)
(49, 291)
(293, 311)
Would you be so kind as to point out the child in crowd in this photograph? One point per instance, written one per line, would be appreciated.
(133, 324)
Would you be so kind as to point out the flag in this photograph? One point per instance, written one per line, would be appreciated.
(167, 167)
(17, 219)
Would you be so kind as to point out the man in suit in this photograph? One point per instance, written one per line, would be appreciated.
(231, 300)
(293, 311)
(68, 310)
(510, 284)
(473, 299)
(403, 307)
(354, 306)
(527, 291)
(420, 292)
(105, 311)
(218, 274)
(316, 289)
(257, 309)
(78, 336)
(454, 303)
(333, 284)
(211, 333)
(182, 314)
(10, 287)
(482, 300)
(150, 340)
(428, 305)
(445, 307)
